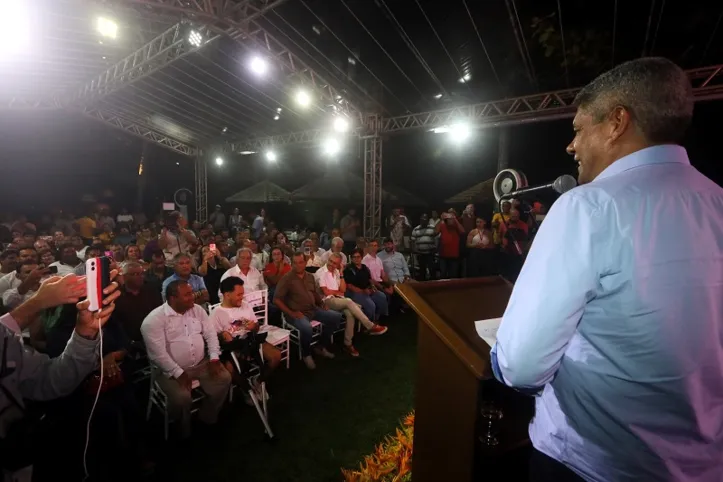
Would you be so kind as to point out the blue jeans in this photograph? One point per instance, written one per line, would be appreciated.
(328, 318)
(374, 305)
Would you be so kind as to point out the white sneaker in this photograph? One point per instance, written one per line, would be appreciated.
(309, 362)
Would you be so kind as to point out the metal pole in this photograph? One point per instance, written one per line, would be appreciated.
(372, 179)
(201, 193)
(503, 149)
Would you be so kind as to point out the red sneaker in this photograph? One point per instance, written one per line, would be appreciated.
(378, 330)
(351, 350)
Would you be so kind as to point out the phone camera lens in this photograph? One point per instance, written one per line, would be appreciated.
(92, 268)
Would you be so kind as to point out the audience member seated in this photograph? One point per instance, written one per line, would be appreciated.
(8, 261)
(182, 272)
(253, 279)
(212, 268)
(394, 264)
(46, 256)
(260, 258)
(90, 252)
(68, 260)
(11, 279)
(174, 334)
(276, 268)
(30, 275)
(138, 298)
(175, 238)
(132, 253)
(337, 244)
(333, 288)
(380, 280)
(296, 295)
(158, 271)
(235, 319)
(361, 290)
(313, 253)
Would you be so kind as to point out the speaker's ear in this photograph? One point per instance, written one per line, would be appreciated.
(507, 181)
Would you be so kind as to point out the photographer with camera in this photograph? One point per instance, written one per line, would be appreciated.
(237, 328)
(28, 375)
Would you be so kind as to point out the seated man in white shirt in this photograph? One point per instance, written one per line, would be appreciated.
(235, 319)
(253, 279)
(30, 275)
(333, 288)
(337, 244)
(174, 334)
(68, 260)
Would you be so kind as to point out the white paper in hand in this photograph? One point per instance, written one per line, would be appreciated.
(487, 330)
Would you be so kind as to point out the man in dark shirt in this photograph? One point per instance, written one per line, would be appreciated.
(361, 289)
(158, 271)
(138, 298)
(296, 295)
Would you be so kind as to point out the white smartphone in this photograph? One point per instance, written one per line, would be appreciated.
(97, 278)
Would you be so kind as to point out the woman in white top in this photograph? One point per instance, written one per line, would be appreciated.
(482, 250)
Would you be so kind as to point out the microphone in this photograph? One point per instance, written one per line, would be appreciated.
(560, 185)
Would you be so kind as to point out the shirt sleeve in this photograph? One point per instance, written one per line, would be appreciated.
(405, 266)
(12, 298)
(200, 284)
(209, 333)
(282, 288)
(154, 337)
(557, 280)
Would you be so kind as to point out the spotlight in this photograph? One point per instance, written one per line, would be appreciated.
(178, 163)
(224, 130)
(278, 109)
(465, 78)
(258, 66)
(247, 153)
(459, 132)
(331, 147)
(106, 27)
(271, 156)
(276, 117)
(219, 161)
(438, 96)
(195, 38)
(303, 98)
(341, 124)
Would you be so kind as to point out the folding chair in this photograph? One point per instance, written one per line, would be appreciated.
(157, 397)
(276, 336)
(295, 335)
(250, 375)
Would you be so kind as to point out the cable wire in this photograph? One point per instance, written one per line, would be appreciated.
(564, 49)
(354, 83)
(484, 48)
(410, 44)
(524, 41)
(449, 56)
(382, 48)
(712, 36)
(657, 27)
(647, 29)
(520, 47)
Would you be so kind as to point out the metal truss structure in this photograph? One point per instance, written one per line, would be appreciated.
(137, 129)
(201, 189)
(22, 103)
(372, 179)
(257, 144)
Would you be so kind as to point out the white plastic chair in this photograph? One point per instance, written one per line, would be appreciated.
(278, 337)
(261, 405)
(157, 397)
(295, 335)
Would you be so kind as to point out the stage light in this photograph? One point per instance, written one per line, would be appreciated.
(270, 156)
(303, 98)
(247, 153)
(224, 130)
(278, 109)
(195, 38)
(438, 96)
(341, 124)
(465, 78)
(459, 132)
(331, 147)
(178, 163)
(258, 66)
(219, 161)
(106, 27)
(276, 117)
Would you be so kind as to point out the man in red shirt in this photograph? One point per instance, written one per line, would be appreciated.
(450, 231)
(515, 243)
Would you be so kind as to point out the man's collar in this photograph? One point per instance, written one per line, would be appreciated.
(663, 154)
(168, 311)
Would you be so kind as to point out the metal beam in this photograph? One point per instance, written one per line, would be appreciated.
(201, 189)
(236, 19)
(259, 143)
(372, 179)
(140, 130)
(24, 103)
(167, 47)
(707, 85)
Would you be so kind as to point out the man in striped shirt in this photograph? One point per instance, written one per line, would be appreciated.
(424, 244)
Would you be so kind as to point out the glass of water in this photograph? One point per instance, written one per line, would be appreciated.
(491, 416)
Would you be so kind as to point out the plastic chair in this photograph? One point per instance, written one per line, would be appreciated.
(260, 405)
(276, 336)
(157, 397)
(295, 335)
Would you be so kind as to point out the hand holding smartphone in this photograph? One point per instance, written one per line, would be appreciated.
(97, 278)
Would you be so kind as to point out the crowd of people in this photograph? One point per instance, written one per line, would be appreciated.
(181, 307)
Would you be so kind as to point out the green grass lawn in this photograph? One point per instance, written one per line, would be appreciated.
(323, 420)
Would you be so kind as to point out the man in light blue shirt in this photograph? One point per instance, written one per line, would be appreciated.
(182, 271)
(616, 320)
(395, 266)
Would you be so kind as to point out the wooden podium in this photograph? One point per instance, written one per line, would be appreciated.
(454, 377)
